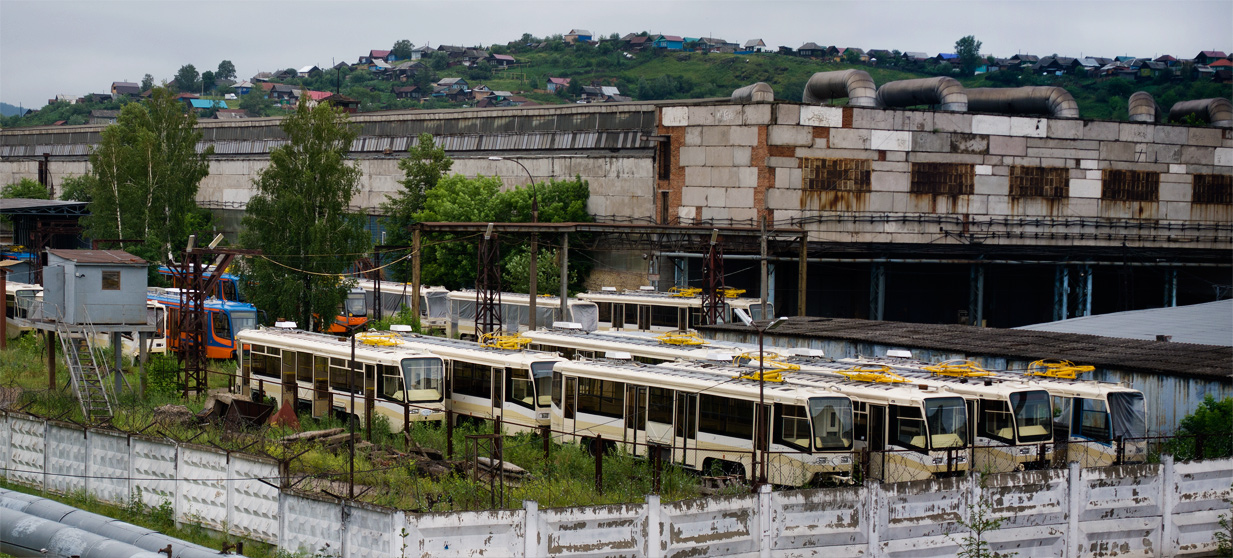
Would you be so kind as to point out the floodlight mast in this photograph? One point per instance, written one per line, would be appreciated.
(763, 431)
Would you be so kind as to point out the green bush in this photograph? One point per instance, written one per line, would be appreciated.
(163, 373)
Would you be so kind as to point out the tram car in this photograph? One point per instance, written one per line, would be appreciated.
(21, 304)
(515, 313)
(646, 309)
(434, 301)
(224, 320)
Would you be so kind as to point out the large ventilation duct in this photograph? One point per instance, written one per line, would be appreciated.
(946, 92)
(1217, 112)
(757, 93)
(1143, 108)
(1045, 100)
(856, 85)
(22, 534)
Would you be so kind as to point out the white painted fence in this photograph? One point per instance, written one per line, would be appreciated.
(1165, 509)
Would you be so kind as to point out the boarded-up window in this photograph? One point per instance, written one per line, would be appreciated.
(842, 175)
(943, 179)
(111, 280)
(663, 158)
(1039, 182)
(1129, 185)
(1213, 188)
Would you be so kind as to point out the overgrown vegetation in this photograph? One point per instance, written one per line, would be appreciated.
(1206, 433)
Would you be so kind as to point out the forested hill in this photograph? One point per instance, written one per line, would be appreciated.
(650, 75)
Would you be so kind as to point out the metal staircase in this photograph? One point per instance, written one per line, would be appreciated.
(87, 376)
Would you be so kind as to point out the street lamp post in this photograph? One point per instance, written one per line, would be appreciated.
(762, 421)
(533, 286)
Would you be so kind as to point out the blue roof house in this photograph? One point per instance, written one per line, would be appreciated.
(670, 42)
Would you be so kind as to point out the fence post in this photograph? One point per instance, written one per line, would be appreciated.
(654, 529)
(874, 520)
(530, 530)
(545, 433)
(449, 433)
(765, 516)
(1075, 505)
(1168, 500)
(599, 463)
(657, 467)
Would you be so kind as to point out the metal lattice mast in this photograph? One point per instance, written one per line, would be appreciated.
(713, 281)
(488, 285)
(191, 346)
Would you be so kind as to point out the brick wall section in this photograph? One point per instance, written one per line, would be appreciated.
(676, 179)
(721, 169)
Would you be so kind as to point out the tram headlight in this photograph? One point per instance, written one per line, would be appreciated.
(939, 460)
(841, 460)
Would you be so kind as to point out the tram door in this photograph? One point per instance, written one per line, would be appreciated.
(685, 444)
(635, 418)
(659, 416)
(498, 391)
(569, 402)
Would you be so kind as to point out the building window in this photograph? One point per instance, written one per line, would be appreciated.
(1039, 182)
(1128, 185)
(943, 179)
(1213, 188)
(111, 280)
(663, 157)
(836, 175)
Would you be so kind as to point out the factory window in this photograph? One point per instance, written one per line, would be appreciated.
(1128, 185)
(942, 179)
(841, 175)
(1213, 188)
(111, 280)
(1039, 182)
(663, 158)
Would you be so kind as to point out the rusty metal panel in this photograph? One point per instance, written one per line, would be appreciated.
(109, 466)
(943, 179)
(254, 504)
(66, 458)
(370, 532)
(493, 533)
(310, 525)
(719, 526)
(27, 439)
(154, 470)
(593, 531)
(1039, 182)
(1033, 506)
(202, 487)
(1213, 188)
(1119, 511)
(1202, 491)
(847, 175)
(918, 516)
(1129, 185)
(833, 519)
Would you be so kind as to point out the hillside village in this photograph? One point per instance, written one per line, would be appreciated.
(579, 67)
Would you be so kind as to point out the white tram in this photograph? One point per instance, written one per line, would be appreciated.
(515, 313)
(680, 310)
(21, 301)
(434, 301)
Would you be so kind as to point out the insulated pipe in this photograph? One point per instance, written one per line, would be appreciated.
(856, 85)
(1045, 100)
(1217, 112)
(1143, 108)
(757, 93)
(22, 534)
(944, 91)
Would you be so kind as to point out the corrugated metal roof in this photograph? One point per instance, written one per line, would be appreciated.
(1209, 323)
(1183, 359)
(119, 257)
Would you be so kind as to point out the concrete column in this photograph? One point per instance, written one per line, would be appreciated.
(976, 296)
(877, 291)
(1074, 505)
(802, 275)
(654, 528)
(564, 295)
(530, 531)
(1083, 285)
(876, 516)
(1061, 292)
(765, 519)
(119, 360)
(1170, 290)
(1168, 500)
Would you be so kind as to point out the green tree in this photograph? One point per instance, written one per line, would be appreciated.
(226, 70)
(422, 169)
(402, 49)
(187, 78)
(78, 188)
(457, 198)
(439, 61)
(255, 102)
(978, 524)
(24, 189)
(148, 170)
(850, 56)
(968, 50)
(207, 80)
(1210, 425)
(147, 83)
(299, 218)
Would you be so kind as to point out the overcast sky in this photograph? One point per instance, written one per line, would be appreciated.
(49, 47)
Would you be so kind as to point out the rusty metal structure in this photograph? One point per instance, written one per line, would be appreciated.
(713, 281)
(488, 284)
(192, 326)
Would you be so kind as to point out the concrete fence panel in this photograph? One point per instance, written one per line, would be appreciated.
(918, 517)
(492, 533)
(1033, 508)
(593, 531)
(254, 504)
(1119, 511)
(201, 492)
(27, 443)
(722, 526)
(66, 458)
(1199, 493)
(369, 532)
(5, 442)
(109, 466)
(310, 524)
(830, 522)
(154, 471)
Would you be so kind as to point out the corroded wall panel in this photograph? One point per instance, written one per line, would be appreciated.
(831, 522)
(1199, 493)
(721, 526)
(497, 533)
(593, 531)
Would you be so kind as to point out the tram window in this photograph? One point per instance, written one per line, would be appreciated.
(860, 420)
(222, 326)
(288, 371)
(908, 427)
(304, 367)
(339, 374)
(391, 384)
(600, 397)
(995, 421)
(659, 405)
(725, 416)
(664, 316)
(263, 365)
(605, 311)
(635, 407)
(521, 392)
(472, 379)
(1093, 419)
(556, 389)
(571, 398)
(792, 426)
(618, 315)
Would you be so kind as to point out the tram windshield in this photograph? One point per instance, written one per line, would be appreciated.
(832, 422)
(1129, 417)
(1033, 415)
(542, 372)
(947, 420)
(244, 320)
(424, 377)
(355, 304)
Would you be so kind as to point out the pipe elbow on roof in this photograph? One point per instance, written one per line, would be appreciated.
(945, 92)
(1043, 100)
(856, 85)
(1143, 108)
(759, 92)
(1217, 112)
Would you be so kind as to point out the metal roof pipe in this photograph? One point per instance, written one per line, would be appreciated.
(1044, 100)
(946, 92)
(22, 534)
(757, 93)
(1143, 108)
(856, 85)
(1217, 112)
